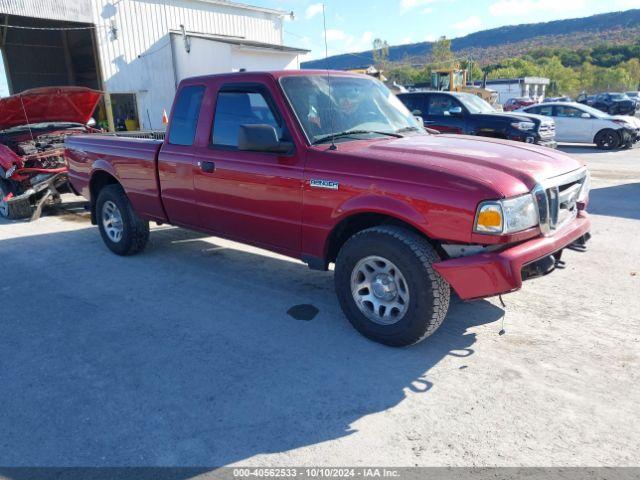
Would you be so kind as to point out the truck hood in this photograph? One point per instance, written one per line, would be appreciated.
(514, 116)
(509, 168)
(48, 104)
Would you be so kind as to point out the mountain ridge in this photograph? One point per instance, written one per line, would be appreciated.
(487, 46)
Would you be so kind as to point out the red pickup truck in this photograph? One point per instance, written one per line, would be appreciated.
(332, 168)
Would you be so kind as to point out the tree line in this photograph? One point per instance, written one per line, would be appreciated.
(605, 67)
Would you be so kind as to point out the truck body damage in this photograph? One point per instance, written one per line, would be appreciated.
(33, 126)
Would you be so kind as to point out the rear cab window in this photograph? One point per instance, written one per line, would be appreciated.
(185, 115)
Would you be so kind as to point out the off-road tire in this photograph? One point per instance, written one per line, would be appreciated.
(607, 139)
(414, 256)
(135, 233)
(15, 210)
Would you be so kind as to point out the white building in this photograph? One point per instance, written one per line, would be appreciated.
(507, 88)
(136, 51)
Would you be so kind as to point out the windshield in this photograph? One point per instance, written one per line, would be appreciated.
(475, 104)
(632, 94)
(355, 104)
(619, 96)
(593, 111)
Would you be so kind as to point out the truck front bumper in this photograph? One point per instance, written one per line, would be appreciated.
(494, 273)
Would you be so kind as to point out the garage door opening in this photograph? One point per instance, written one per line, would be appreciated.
(46, 53)
(4, 84)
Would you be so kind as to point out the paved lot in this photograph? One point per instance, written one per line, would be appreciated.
(185, 355)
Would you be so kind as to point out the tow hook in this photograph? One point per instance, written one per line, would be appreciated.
(539, 268)
(580, 245)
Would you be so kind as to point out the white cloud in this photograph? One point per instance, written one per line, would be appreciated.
(335, 35)
(431, 38)
(626, 4)
(468, 25)
(313, 10)
(514, 8)
(407, 5)
(426, 11)
(346, 42)
(406, 40)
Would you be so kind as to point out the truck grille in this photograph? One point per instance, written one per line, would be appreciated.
(557, 200)
(547, 130)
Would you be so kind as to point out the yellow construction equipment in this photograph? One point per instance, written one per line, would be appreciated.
(455, 80)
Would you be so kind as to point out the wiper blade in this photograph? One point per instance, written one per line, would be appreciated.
(408, 129)
(348, 133)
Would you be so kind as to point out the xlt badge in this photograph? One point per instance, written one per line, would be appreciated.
(318, 183)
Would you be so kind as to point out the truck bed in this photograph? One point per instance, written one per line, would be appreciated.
(132, 160)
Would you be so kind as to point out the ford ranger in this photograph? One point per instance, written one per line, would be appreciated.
(331, 168)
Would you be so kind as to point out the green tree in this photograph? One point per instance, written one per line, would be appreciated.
(380, 53)
(441, 54)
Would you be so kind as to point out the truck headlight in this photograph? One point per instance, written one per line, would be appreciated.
(507, 216)
(524, 126)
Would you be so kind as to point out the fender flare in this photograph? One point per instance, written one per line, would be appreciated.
(376, 204)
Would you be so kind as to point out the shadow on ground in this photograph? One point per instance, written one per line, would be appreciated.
(185, 355)
(616, 201)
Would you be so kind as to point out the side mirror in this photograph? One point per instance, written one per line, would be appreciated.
(585, 115)
(455, 111)
(261, 138)
(91, 122)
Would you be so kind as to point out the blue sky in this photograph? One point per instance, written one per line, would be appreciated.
(353, 24)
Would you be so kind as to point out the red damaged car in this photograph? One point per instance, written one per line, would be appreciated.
(33, 126)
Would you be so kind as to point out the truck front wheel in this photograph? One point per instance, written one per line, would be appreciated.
(387, 286)
(121, 229)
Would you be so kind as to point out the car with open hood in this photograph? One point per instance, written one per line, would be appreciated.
(33, 126)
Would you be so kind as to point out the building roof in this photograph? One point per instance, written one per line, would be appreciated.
(538, 80)
(244, 6)
(241, 41)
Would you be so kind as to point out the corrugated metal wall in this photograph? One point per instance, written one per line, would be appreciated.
(142, 24)
(72, 11)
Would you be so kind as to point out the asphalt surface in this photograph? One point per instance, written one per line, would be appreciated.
(186, 355)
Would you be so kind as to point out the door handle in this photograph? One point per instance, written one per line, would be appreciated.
(207, 167)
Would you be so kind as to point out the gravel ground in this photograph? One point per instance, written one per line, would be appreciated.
(185, 355)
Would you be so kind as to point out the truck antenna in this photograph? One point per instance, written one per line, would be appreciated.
(26, 117)
(326, 64)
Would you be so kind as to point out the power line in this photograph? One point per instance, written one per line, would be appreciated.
(20, 27)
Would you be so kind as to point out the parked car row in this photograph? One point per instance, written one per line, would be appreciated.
(540, 123)
(470, 115)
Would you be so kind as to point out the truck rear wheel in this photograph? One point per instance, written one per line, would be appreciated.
(387, 286)
(121, 229)
(14, 210)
